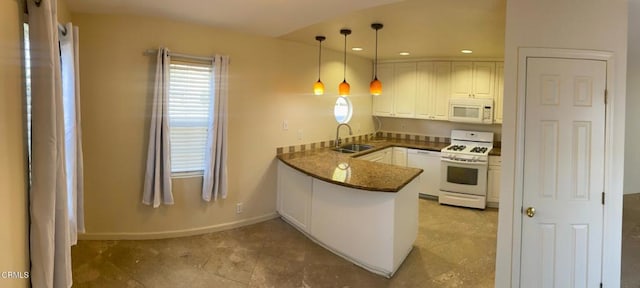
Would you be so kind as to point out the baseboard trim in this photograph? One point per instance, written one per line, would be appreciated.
(178, 233)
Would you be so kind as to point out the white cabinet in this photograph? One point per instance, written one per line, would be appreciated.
(473, 79)
(399, 156)
(294, 196)
(382, 156)
(493, 181)
(383, 104)
(499, 97)
(434, 88)
(398, 90)
(429, 161)
(404, 94)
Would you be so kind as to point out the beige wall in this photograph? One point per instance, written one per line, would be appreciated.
(13, 190)
(588, 24)
(270, 81)
(632, 157)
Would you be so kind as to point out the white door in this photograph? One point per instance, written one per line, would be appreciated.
(563, 173)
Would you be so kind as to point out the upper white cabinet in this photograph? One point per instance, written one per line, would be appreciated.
(383, 104)
(404, 94)
(422, 89)
(434, 88)
(473, 79)
(499, 97)
(398, 90)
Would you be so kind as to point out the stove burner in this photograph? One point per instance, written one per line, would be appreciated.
(456, 147)
(479, 150)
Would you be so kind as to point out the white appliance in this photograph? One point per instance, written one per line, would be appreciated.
(429, 161)
(471, 110)
(464, 164)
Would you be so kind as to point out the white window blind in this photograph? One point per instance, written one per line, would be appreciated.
(190, 93)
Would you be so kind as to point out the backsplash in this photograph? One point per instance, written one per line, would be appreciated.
(322, 144)
(367, 137)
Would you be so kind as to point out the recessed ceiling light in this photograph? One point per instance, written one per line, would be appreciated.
(404, 53)
(357, 49)
(466, 51)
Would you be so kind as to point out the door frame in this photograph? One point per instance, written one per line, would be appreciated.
(612, 222)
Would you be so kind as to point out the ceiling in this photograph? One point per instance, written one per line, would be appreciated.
(425, 28)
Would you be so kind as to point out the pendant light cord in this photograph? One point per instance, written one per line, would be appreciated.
(375, 67)
(345, 58)
(319, 59)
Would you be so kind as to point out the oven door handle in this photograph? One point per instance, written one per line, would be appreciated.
(464, 162)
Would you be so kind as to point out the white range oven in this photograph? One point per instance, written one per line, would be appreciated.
(464, 165)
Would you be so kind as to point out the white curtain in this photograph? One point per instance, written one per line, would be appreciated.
(50, 232)
(69, 49)
(214, 182)
(157, 184)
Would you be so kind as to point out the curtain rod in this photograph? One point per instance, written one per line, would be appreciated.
(200, 58)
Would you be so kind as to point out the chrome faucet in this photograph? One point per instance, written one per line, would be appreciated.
(338, 140)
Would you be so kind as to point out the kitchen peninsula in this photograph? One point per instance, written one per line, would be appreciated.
(364, 211)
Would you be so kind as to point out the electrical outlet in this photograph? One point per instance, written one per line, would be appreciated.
(300, 134)
(239, 208)
(285, 125)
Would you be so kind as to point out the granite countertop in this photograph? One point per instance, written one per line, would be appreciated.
(346, 170)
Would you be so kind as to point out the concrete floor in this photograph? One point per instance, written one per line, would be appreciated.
(631, 242)
(456, 247)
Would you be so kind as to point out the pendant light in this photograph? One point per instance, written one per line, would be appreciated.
(376, 86)
(344, 87)
(318, 87)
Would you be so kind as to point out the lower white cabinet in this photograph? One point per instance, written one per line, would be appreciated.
(493, 181)
(429, 161)
(382, 156)
(399, 156)
(294, 196)
(375, 230)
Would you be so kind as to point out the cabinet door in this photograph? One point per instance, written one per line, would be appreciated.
(497, 100)
(493, 181)
(383, 104)
(382, 156)
(461, 79)
(425, 93)
(493, 184)
(294, 196)
(404, 94)
(399, 156)
(442, 90)
(483, 79)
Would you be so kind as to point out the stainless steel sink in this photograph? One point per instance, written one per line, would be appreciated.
(352, 148)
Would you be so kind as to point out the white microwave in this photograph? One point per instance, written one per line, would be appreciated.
(471, 110)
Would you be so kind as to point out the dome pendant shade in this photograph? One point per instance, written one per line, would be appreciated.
(375, 88)
(318, 88)
(344, 89)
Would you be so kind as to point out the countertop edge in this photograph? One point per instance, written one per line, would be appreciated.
(367, 188)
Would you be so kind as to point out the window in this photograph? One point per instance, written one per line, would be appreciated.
(190, 90)
(343, 110)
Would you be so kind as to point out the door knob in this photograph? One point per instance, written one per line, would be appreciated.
(531, 212)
